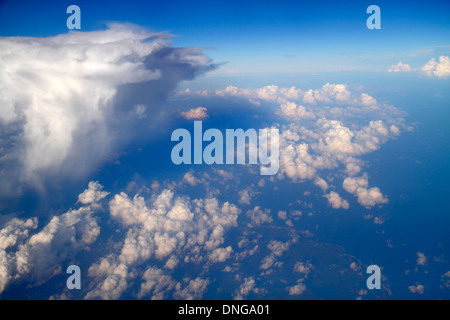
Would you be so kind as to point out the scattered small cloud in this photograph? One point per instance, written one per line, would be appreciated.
(421, 259)
(440, 69)
(399, 67)
(298, 289)
(417, 289)
(195, 114)
(336, 202)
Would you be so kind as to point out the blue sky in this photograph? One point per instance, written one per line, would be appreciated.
(86, 175)
(262, 36)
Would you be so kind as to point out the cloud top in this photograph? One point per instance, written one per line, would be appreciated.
(59, 96)
(440, 69)
(399, 67)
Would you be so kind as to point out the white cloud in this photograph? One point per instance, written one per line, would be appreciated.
(399, 67)
(195, 114)
(277, 248)
(421, 259)
(332, 145)
(172, 262)
(368, 100)
(161, 228)
(220, 254)
(155, 281)
(166, 228)
(282, 215)
(298, 289)
(336, 202)
(62, 91)
(366, 197)
(395, 130)
(354, 266)
(378, 220)
(193, 290)
(439, 69)
(322, 184)
(302, 267)
(329, 128)
(94, 193)
(63, 236)
(245, 196)
(328, 93)
(37, 257)
(259, 216)
(15, 231)
(445, 280)
(190, 179)
(67, 82)
(245, 288)
(417, 289)
(291, 110)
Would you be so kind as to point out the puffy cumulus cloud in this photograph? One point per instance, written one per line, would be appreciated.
(420, 289)
(166, 228)
(193, 290)
(340, 141)
(439, 69)
(268, 93)
(297, 289)
(295, 111)
(421, 259)
(246, 195)
(399, 67)
(5, 275)
(245, 288)
(195, 114)
(378, 220)
(336, 202)
(325, 129)
(321, 183)
(296, 161)
(366, 197)
(329, 93)
(38, 256)
(395, 130)
(259, 216)
(331, 145)
(445, 280)
(172, 262)
(303, 267)
(336, 100)
(277, 249)
(93, 193)
(291, 99)
(354, 267)
(190, 179)
(220, 254)
(156, 282)
(368, 100)
(43, 252)
(63, 91)
(282, 215)
(16, 230)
